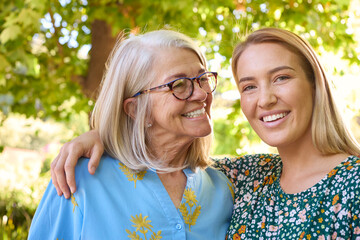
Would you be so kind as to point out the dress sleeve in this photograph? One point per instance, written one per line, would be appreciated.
(56, 217)
(229, 166)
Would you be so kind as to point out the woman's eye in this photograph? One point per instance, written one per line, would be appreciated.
(281, 78)
(204, 79)
(179, 84)
(248, 88)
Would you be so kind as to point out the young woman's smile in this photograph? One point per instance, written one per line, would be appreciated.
(276, 96)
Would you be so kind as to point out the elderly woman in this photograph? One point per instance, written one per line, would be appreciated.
(154, 182)
(311, 190)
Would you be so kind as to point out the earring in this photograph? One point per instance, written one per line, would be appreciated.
(149, 125)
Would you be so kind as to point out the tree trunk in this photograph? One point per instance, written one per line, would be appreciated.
(102, 42)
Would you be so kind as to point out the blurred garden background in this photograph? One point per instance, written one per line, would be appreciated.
(52, 55)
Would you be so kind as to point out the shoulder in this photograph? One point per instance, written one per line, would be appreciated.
(106, 163)
(212, 176)
(257, 161)
(214, 173)
(345, 178)
(263, 160)
(348, 170)
(350, 165)
(247, 165)
(107, 172)
(219, 180)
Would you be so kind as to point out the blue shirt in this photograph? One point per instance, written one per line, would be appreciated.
(118, 204)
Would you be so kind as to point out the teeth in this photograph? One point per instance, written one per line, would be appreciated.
(274, 117)
(196, 113)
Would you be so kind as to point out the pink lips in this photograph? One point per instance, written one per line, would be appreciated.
(274, 119)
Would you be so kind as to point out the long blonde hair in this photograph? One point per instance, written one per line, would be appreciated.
(128, 71)
(329, 133)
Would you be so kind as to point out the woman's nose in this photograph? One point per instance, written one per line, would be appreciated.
(198, 93)
(267, 97)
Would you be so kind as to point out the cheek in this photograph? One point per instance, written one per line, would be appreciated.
(209, 100)
(162, 107)
(246, 106)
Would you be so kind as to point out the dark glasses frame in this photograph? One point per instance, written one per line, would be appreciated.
(170, 85)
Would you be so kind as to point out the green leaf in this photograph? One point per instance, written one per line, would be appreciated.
(10, 33)
(28, 17)
(3, 63)
(37, 4)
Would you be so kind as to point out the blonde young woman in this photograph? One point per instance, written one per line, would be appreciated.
(311, 190)
(154, 182)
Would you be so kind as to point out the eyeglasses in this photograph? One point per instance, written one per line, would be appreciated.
(183, 88)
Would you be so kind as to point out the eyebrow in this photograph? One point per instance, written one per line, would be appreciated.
(274, 70)
(280, 68)
(180, 75)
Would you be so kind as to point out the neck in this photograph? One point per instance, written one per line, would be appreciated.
(300, 154)
(172, 151)
(304, 165)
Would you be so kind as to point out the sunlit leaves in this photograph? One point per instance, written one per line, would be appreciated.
(10, 33)
(40, 64)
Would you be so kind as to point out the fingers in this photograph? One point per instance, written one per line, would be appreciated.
(63, 167)
(73, 153)
(53, 175)
(94, 161)
(59, 173)
(69, 167)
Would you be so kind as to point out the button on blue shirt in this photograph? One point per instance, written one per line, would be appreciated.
(117, 204)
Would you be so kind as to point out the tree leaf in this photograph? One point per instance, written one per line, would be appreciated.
(10, 33)
(3, 63)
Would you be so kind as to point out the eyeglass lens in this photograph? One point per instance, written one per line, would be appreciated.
(184, 87)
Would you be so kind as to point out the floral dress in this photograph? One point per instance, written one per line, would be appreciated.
(328, 210)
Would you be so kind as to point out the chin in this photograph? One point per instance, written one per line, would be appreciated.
(272, 142)
(204, 133)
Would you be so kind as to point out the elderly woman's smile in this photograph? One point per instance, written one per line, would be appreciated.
(180, 120)
(195, 113)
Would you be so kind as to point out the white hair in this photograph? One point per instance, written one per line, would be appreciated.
(128, 71)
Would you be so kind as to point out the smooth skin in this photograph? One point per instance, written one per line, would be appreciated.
(277, 99)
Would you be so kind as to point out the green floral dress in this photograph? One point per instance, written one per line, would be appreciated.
(328, 210)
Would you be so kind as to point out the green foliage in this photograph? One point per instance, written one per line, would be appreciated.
(40, 65)
(41, 41)
(16, 216)
(17, 207)
(24, 182)
(232, 133)
(27, 133)
(36, 71)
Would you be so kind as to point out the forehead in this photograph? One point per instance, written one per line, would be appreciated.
(176, 62)
(265, 56)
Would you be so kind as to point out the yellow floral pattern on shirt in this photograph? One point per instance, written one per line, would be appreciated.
(73, 201)
(132, 176)
(143, 226)
(186, 209)
(231, 188)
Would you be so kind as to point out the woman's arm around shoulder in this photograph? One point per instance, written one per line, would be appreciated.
(87, 145)
(243, 165)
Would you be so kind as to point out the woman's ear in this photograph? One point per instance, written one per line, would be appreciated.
(130, 107)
